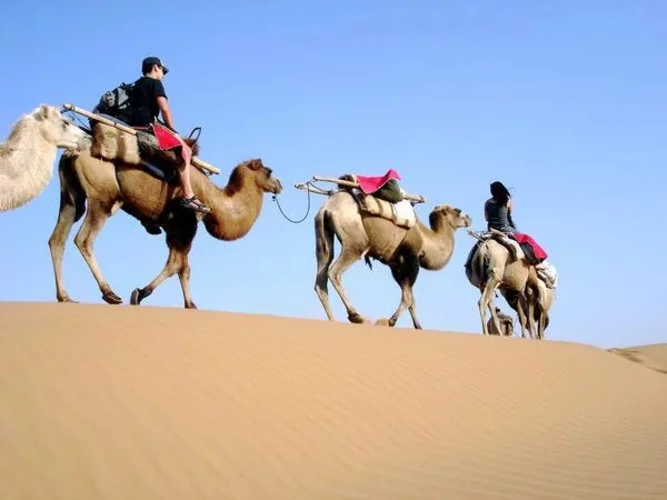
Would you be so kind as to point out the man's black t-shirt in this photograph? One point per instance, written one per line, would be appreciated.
(144, 100)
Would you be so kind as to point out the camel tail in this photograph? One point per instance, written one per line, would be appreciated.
(22, 182)
(484, 267)
(324, 239)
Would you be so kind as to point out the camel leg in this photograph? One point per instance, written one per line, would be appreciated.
(325, 255)
(405, 273)
(522, 318)
(184, 278)
(541, 322)
(532, 327)
(93, 223)
(412, 309)
(342, 264)
(179, 241)
(57, 241)
(486, 302)
(173, 266)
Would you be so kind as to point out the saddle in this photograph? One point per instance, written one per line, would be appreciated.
(401, 213)
(386, 202)
(512, 246)
(112, 144)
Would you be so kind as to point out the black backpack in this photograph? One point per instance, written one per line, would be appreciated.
(116, 102)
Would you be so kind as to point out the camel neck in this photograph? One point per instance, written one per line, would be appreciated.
(234, 209)
(438, 246)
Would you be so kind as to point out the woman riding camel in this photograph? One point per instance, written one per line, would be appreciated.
(498, 209)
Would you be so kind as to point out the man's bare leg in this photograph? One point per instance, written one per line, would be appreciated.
(190, 201)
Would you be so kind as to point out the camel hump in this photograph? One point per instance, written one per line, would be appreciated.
(401, 213)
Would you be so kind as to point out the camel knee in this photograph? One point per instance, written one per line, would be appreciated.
(321, 282)
(184, 270)
(333, 276)
(83, 244)
(55, 242)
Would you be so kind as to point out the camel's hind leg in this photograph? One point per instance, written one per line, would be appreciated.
(96, 217)
(179, 240)
(405, 273)
(531, 298)
(71, 209)
(344, 261)
(522, 318)
(486, 302)
(324, 251)
(541, 319)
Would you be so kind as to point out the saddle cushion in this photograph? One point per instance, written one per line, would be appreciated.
(548, 273)
(402, 213)
(112, 144)
(506, 240)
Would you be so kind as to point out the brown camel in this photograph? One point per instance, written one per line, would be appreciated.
(404, 250)
(506, 324)
(490, 267)
(108, 187)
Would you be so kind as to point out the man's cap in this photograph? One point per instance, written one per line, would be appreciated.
(149, 61)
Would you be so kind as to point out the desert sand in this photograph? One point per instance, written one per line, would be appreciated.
(119, 402)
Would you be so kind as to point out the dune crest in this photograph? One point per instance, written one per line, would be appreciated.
(117, 402)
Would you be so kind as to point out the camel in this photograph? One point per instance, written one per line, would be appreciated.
(506, 324)
(110, 186)
(490, 267)
(28, 155)
(404, 250)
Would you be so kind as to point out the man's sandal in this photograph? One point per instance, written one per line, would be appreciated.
(194, 204)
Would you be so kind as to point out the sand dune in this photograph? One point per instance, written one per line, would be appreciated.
(652, 356)
(104, 402)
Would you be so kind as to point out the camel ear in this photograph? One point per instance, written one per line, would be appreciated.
(256, 164)
(44, 111)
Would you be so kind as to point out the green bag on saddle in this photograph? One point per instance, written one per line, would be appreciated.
(390, 192)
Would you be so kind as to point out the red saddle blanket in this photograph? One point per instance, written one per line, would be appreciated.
(165, 137)
(371, 184)
(527, 241)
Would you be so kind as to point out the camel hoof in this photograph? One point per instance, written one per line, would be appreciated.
(67, 300)
(383, 322)
(135, 298)
(111, 298)
(357, 319)
(191, 305)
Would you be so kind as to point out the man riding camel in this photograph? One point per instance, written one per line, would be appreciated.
(148, 98)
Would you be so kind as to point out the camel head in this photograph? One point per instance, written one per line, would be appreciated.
(450, 216)
(262, 175)
(505, 322)
(57, 129)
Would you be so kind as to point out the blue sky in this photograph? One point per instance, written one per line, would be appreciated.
(564, 101)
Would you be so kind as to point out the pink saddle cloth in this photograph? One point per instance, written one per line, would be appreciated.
(371, 184)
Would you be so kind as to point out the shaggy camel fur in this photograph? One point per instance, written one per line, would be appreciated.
(405, 251)
(493, 268)
(506, 324)
(108, 187)
(28, 155)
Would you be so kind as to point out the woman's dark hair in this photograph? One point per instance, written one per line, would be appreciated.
(500, 193)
